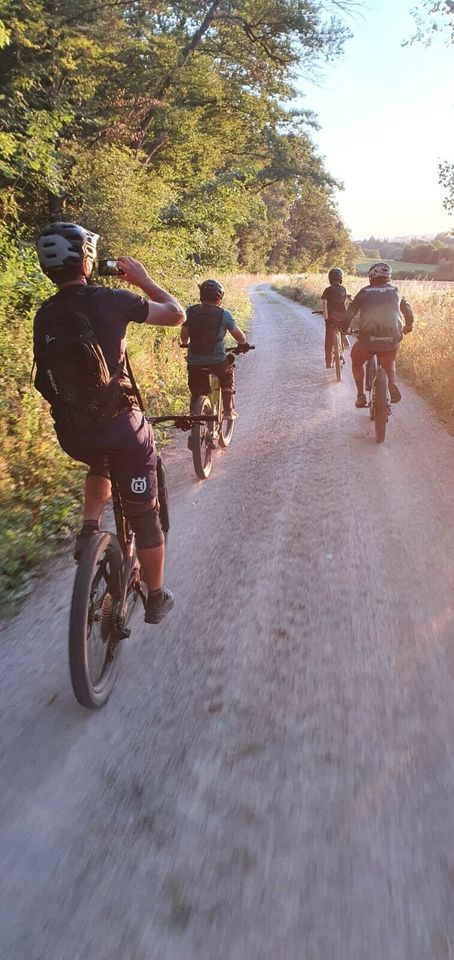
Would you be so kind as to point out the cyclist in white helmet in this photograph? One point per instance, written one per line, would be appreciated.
(380, 328)
(83, 372)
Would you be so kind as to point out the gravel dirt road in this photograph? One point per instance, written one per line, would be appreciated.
(273, 777)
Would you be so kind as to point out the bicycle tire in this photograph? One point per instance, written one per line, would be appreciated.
(93, 692)
(226, 426)
(202, 439)
(163, 497)
(380, 404)
(337, 357)
(371, 369)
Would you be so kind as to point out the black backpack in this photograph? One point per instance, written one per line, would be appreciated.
(71, 370)
(204, 321)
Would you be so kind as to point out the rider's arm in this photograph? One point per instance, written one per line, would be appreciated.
(407, 314)
(232, 327)
(184, 336)
(164, 310)
(325, 309)
(353, 308)
(237, 334)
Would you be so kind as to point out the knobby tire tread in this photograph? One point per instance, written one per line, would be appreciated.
(381, 406)
(337, 358)
(202, 456)
(226, 426)
(84, 691)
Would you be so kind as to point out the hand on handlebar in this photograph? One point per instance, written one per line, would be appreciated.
(242, 348)
(407, 328)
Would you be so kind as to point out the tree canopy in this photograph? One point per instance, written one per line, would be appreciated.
(167, 127)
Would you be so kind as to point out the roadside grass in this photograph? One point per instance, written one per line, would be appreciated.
(40, 487)
(398, 266)
(426, 356)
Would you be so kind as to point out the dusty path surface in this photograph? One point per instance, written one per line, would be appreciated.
(273, 777)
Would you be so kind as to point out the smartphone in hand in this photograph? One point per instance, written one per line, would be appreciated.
(109, 268)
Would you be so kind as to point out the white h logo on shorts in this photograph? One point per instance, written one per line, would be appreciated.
(139, 485)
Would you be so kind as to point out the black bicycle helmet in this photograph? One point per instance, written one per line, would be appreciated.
(62, 245)
(380, 271)
(336, 275)
(211, 289)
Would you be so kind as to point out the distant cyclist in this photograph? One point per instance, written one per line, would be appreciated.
(334, 300)
(206, 326)
(380, 328)
(82, 371)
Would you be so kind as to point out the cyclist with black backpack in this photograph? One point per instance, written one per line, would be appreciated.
(205, 328)
(82, 370)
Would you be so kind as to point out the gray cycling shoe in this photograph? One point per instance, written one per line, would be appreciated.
(361, 400)
(159, 604)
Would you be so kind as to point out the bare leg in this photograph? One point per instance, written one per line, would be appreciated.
(151, 560)
(97, 494)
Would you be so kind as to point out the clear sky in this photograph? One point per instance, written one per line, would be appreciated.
(387, 118)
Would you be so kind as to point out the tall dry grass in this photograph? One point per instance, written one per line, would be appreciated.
(426, 357)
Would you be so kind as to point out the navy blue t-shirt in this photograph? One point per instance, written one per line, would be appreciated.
(109, 311)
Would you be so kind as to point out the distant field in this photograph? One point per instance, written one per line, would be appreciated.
(397, 266)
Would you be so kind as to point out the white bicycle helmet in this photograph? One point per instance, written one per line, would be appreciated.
(63, 245)
(380, 271)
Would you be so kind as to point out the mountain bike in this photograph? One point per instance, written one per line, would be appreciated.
(211, 430)
(379, 398)
(107, 587)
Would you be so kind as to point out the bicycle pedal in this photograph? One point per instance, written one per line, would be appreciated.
(122, 633)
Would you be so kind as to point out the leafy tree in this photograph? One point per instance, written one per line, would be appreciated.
(434, 18)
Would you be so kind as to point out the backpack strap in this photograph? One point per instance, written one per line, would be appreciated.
(134, 383)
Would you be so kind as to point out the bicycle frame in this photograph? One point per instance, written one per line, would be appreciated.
(130, 585)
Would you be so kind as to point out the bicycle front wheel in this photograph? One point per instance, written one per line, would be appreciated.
(226, 426)
(94, 648)
(381, 404)
(337, 356)
(202, 439)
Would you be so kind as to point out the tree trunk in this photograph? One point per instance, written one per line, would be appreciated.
(186, 53)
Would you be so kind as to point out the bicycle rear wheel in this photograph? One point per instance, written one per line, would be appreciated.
(94, 648)
(226, 428)
(163, 497)
(381, 404)
(371, 369)
(202, 439)
(337, 356)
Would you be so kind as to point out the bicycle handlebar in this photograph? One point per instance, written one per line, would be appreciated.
(240, 348)
(184, 421)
